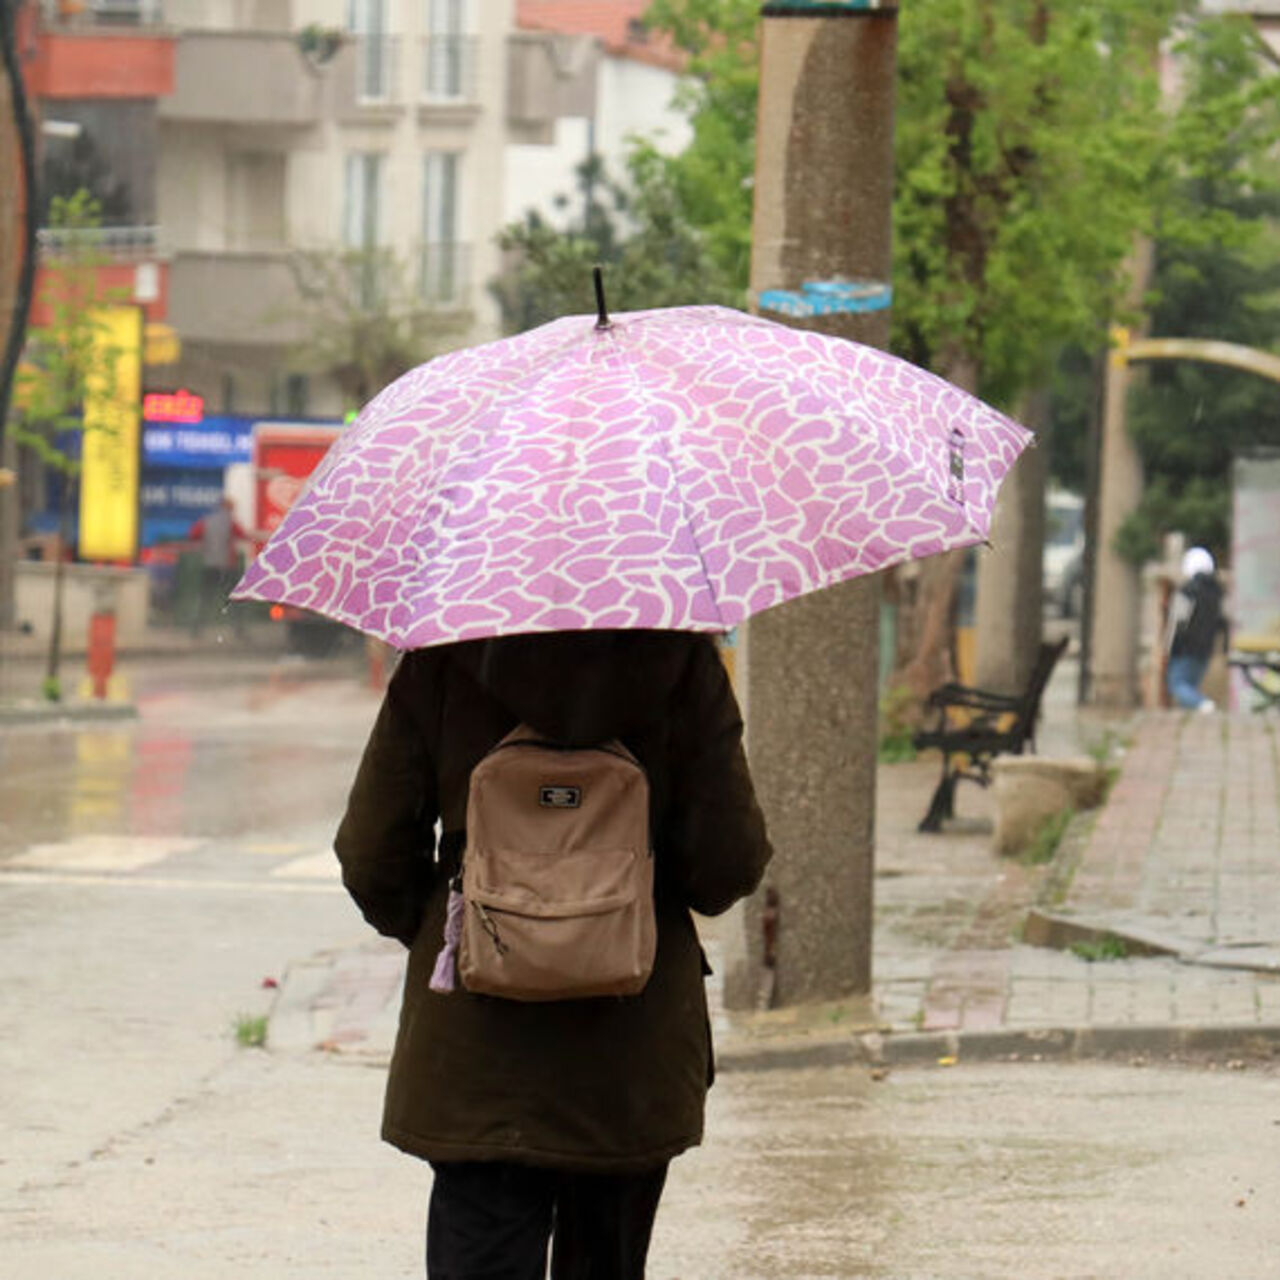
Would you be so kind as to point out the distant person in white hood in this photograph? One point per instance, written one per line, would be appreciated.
(1195, 621)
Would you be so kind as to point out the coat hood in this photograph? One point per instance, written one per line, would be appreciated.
(582, 687)
(1195, 561)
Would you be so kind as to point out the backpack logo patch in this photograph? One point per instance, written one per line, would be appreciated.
(560, 797)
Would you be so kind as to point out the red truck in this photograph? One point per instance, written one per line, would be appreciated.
(284, 456)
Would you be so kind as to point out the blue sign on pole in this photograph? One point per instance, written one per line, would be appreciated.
(828, 297)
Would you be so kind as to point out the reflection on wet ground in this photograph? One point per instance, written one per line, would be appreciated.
(982, 1173)
(219, 751)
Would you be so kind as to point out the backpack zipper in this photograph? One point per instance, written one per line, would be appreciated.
(486, 920)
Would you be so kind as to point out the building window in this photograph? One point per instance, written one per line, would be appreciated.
(362, 200)
(375, 50)
(449, 54)
(442, 255)
(295, 395)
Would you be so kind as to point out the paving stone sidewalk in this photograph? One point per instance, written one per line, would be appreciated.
(1176, 879)
(1182, 866)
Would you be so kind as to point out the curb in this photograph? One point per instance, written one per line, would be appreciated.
(1061, 932)
(54, 713)
(1050, 1044)
(292, 1031)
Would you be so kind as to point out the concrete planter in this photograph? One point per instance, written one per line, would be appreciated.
(86, 588)
(1029, 789)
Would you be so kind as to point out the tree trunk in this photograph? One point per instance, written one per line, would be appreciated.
(9, 525)
(926, 597)
(1117, 584)
(52, 686)
(1010, 571)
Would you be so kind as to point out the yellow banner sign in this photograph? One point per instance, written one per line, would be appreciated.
(111, 448)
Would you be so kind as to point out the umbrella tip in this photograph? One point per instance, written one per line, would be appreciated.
(602, 313)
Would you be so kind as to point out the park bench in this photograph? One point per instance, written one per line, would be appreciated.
(1257, 658)
(973, 726)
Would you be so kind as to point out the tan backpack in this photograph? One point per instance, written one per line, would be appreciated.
(557, 875)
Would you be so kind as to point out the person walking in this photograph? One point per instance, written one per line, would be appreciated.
(1195, 622)
(551, 1125)
(219, 535)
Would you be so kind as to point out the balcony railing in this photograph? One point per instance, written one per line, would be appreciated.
(118, 244)
(450, 69)
(444, 278)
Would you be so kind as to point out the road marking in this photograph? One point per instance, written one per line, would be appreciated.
(315, 866)
(168, 882)
(103, 853)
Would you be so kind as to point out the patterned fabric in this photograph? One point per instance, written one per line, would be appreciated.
(681, 469)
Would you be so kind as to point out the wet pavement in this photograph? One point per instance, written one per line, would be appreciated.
(152, 874)
(163, 878)
(269, 1166)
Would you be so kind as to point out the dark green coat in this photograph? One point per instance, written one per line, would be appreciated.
(607, 1084)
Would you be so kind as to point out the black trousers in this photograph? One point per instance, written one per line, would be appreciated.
(492, 1221)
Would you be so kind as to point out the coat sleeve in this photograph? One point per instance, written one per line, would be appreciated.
(716, 847)
(386, 840)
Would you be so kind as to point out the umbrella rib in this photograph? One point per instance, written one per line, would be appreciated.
(685, 508)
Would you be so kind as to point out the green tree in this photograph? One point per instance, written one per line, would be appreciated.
(652, 254)
(368, 316)
(712, 178)
(1217, 276)
(64, 360)
(1028, 155)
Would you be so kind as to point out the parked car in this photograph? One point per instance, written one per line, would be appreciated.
(1063, 563)
(1070, 598)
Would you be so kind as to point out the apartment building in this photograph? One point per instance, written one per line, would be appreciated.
(95, 72)
(623, 79)
(318, 127)
(224, 138)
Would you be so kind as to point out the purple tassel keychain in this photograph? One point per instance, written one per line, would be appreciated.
(442, 976)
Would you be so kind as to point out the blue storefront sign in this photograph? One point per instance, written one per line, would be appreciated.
(174, 498)
(213, 443)
(183, 469)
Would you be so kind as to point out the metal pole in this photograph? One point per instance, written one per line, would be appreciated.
(22, 124)
(809, 670)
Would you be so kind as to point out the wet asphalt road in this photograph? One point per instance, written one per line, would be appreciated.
(153, 874)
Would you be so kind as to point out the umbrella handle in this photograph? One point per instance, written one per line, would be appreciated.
(602, 314)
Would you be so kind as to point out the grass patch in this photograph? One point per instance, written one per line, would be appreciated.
(897, 709)
(251, 1031)
(1048, 835)
(1103, 748)
(1101, 949)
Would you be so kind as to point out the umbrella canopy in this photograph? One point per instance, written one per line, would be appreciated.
(679, 469)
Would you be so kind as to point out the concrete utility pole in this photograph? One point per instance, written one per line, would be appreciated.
(824, 181)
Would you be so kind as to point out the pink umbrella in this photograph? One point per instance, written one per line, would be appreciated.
(678, 469)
